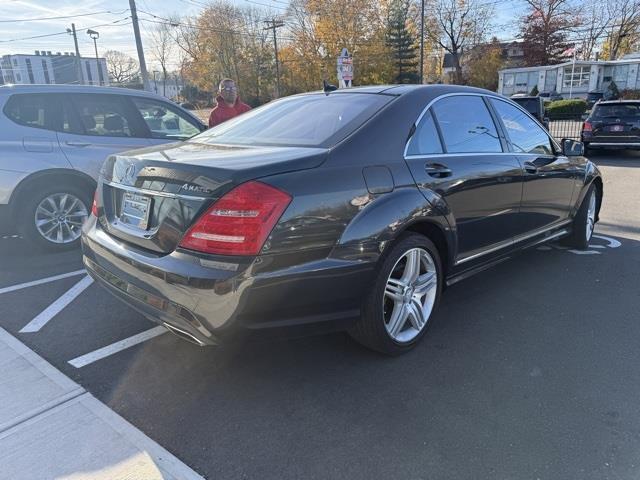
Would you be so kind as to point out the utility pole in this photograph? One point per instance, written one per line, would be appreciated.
(273, 25)
(72, 31)
(136, 32)
(421, 42)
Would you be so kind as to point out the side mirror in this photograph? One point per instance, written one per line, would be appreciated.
(572, 148)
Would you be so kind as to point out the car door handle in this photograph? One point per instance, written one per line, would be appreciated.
(530, 167)
(437, 170)
(77, 144)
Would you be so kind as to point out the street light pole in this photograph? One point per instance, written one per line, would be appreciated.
(273, 25)
(94, 36)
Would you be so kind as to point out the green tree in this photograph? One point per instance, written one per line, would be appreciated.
(484, 63)
(402, 43)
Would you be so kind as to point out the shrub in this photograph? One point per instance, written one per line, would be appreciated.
(560, 108)
(630, 94)
(612, 92)
(534, 91)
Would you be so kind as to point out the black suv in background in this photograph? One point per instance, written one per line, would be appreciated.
(535, 106)
(613, 124)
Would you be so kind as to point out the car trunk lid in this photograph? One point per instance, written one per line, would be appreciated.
(150, 197)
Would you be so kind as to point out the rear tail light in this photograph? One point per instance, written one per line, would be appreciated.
(587, 127)
(239, 222)
(94, 205)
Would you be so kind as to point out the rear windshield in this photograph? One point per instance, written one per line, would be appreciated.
(308, 120)
(616, 111)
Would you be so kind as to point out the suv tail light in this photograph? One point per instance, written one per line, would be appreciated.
(587, 127)
(94, 205)
(239, 222)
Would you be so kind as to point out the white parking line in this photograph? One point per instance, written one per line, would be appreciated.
(41, 281)
(52, 310)
(116, 347)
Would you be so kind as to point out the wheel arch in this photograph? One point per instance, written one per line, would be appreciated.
(435, 232)
(47, 177)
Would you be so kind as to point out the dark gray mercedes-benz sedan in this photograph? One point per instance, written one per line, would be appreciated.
(348, 210)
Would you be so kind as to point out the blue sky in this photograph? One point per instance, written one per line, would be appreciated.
(108, 17)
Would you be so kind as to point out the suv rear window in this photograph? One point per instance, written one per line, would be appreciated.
(307, 120)
(618, 110)
(29, 110)
(531, 105)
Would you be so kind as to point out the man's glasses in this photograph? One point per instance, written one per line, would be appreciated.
(229, 89)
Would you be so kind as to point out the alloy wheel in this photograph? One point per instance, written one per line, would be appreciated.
(59, 217)
(591, 215)
(410, 294)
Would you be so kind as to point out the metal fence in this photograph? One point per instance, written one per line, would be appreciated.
(566, 126)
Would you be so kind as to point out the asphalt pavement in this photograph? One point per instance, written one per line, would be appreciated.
(529, 371)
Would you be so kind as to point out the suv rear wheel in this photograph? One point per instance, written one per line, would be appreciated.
(397, 311)
(52, 218)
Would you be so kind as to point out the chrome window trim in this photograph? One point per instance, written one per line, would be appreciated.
(518, 239)
(145, 191)
(471, 94)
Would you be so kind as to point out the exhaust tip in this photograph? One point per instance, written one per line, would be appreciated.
(183, 334)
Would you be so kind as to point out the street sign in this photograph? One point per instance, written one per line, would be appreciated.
(345, 68)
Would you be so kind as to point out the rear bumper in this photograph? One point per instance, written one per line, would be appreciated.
(209, 298)
(614, 145)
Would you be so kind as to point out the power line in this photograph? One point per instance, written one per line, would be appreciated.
(38, 19)
(111, 24)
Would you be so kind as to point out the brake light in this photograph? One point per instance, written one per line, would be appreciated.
(94, 205)
(587, 127)
(239, 222)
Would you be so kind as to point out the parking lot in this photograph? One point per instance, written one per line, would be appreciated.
(530, 370)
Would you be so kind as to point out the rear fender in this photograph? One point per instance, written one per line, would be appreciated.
(384, 219)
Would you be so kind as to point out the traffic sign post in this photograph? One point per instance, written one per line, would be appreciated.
(345, 69)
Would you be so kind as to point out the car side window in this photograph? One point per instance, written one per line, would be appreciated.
(524, 133)
(105, 116)
(29, 110)
(425, 139)
(164, 121)
(466, 125)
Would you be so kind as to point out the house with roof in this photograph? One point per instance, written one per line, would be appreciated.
(572, 79)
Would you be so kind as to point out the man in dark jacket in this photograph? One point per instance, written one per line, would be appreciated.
(229, 104)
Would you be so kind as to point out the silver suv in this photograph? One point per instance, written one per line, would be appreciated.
(53, 140)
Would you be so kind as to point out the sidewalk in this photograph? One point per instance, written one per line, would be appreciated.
(51, 428)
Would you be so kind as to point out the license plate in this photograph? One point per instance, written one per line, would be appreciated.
(617, 128)
(135, 210)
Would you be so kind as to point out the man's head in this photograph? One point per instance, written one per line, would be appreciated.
(228, 91)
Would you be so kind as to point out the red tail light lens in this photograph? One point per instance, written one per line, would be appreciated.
(94, 205)
(587, 127)
(239, 222)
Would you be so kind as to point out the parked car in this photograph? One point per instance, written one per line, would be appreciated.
(53, 140)
(592, 98)
(551, 96)
(535, 106)
(613, 124)
(344, 210)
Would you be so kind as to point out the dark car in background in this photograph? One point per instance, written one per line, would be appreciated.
(535, 106)
(349, 210)
(593, 98)
(613, 124)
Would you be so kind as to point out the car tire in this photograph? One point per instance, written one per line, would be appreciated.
(584, 221)
(375, 328)
(52, 218)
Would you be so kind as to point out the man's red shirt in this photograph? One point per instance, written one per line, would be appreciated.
(223, 112)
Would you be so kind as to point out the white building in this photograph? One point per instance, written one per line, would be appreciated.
(171, 89)
(572, 79)
(45, 67)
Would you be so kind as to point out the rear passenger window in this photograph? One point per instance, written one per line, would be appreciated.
(29, 110)
(525, 134)
(466, 125)
(105, 116)
(425, 139)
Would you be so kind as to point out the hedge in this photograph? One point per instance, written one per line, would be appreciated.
(560, 108)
